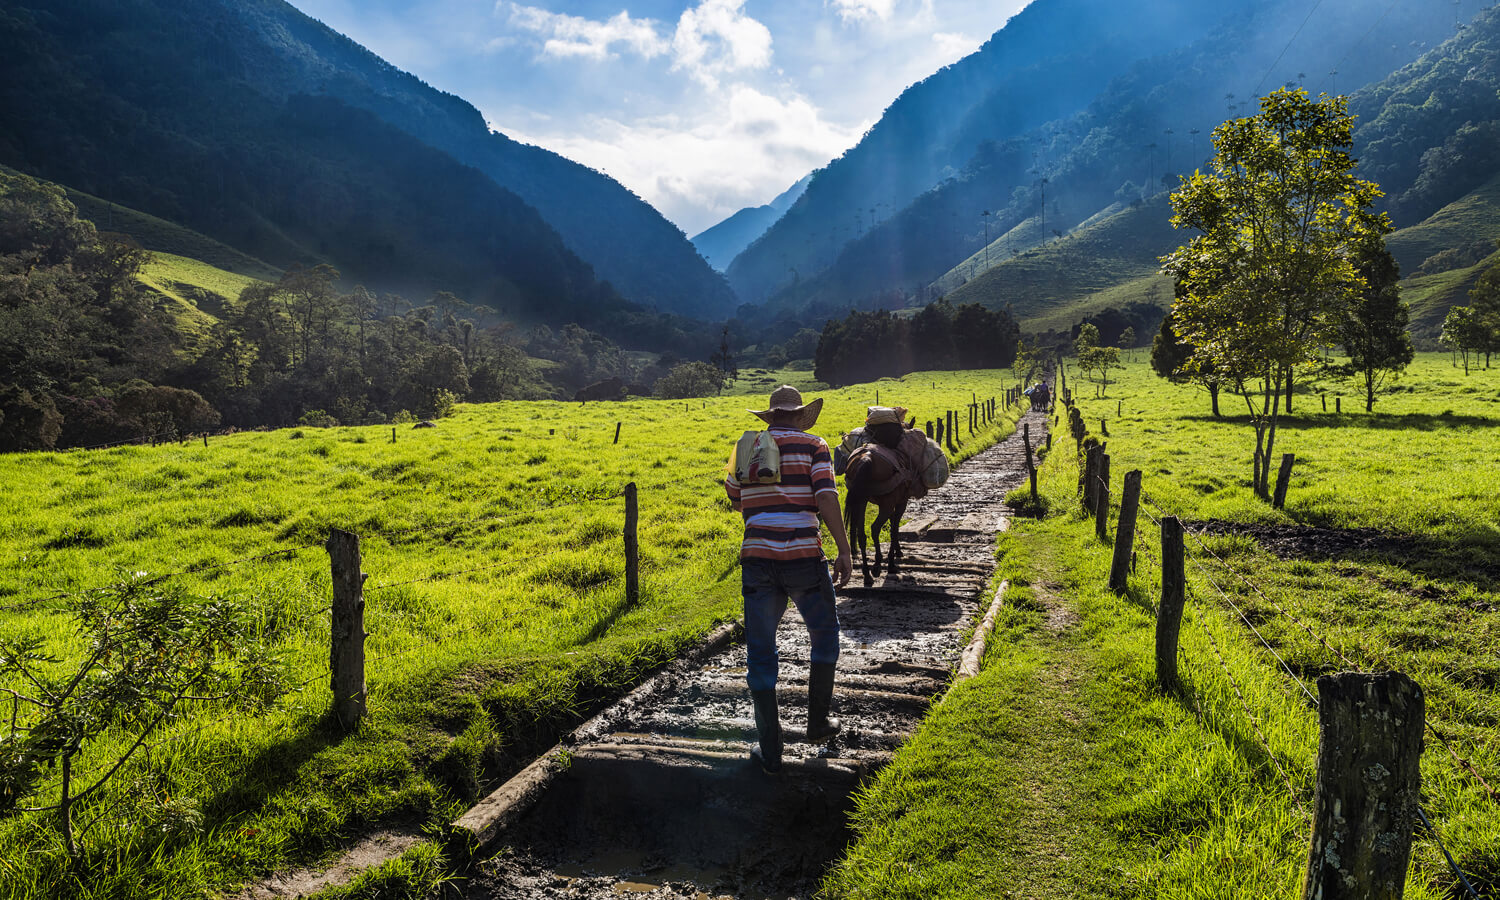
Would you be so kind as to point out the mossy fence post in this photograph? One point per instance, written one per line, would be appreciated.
(1030, 466)
(1369, 786)
(1130, 504)
(1101, 499)
(346, 650)
(632, 547)
(1283, 479)
(1173, 596)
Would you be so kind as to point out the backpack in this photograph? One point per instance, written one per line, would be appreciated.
(756, 459)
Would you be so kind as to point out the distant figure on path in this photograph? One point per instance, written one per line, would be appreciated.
(781, 559)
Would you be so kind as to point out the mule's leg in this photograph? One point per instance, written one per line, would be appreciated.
(895, 555)
(854, 526)
(880, 519)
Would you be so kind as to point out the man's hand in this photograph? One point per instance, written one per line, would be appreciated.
(843, 567)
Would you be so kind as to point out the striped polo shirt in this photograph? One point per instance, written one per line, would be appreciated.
(781, 520)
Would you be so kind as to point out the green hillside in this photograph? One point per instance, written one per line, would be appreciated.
(1052, 282)
(195, 293)
(1472, 219)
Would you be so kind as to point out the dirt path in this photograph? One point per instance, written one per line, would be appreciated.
(658, 797)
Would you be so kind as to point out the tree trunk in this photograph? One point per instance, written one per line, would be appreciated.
(1290, 380)
(1369, 390)
(1213, 394)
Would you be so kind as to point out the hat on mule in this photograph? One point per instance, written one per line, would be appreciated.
(788, 409)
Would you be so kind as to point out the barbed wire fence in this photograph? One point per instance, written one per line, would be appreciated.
(1094, 490)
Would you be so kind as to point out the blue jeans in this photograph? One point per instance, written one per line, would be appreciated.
(767, 585)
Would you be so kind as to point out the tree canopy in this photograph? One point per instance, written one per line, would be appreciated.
(1271, 276)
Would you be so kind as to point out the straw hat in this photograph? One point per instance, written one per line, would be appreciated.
(788, 409)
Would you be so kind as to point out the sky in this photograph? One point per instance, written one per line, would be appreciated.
(701, 107)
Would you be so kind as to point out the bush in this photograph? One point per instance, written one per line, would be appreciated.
(317, 418)
(691, 379)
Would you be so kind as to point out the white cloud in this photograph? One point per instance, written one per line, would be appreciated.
(570, 36)
(952, 46)
(710, 40)
(699, 167)
(862, 10)
(716, 38)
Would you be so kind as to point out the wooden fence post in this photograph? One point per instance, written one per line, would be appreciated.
(632, 548)
(1030, 466)
(1119, 408)
(1103, 428)
(1173, 596)
(1130, 504)
(1324, 398)
(1283, 480)
(1338, 404)
(393, 434)
(939, 437)
(1101, 500)
(617, 431)
(346, 650)
(1086, 489)
(1369, 786)
(929, 428)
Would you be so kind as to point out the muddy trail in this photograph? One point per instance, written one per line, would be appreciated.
(657, 796)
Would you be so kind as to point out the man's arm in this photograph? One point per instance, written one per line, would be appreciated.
(828, 511)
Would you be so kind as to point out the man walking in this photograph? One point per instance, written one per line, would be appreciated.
(781, 559)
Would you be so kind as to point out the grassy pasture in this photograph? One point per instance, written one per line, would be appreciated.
(469, 675)
(1166, 796)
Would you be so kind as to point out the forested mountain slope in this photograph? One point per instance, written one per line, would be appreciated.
(260, 127)
(721, 243)
(1127, 141)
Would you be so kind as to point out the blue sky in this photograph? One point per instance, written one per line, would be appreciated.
(700, 107)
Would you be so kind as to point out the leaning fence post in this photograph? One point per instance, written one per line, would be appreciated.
(346, 650)
(1101, 500)
(1283, 479)
(1369, 786)
(1173, 596)
(1130, 504)
(617, 431)
(632, 548)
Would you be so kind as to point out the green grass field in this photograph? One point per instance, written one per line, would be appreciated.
(1178, 796)
(495, 608)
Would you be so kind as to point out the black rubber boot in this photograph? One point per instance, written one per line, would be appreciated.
(768, 724)
(820, 726)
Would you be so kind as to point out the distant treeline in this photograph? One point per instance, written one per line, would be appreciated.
(870, 345)
(88, 356)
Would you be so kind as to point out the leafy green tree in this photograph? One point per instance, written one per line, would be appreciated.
(1270, 279)
(689, 379)
(1484, 300)
(153, 653)
(1462, 333)
(1374, 334)
(1094, 360)
(1170, 356)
